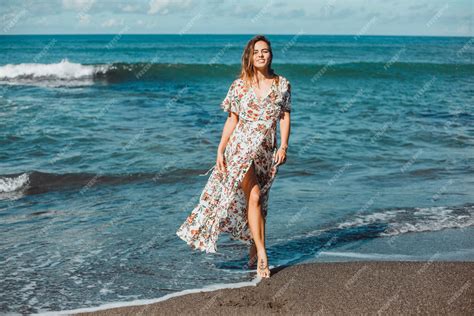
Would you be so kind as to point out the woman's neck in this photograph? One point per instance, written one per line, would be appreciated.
(261, 75)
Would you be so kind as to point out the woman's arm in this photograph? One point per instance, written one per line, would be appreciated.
(285, 129)
(285, 125)
(229, 126)
(230, 104)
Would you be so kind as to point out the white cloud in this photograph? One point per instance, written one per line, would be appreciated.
(84, 19)
(165, 6)
(77, 4)
(43, 21)
(130, 8)
(112, 22)
(403, 17)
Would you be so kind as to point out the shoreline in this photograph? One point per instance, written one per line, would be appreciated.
(391, 287)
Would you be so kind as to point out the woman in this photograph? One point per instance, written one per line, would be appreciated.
(235, 198)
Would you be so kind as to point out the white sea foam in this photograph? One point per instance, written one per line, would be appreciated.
(449, 255)
(209, 288)
(62, 70)
(13, 184)
(415, 220)
(55, 74)
(373, 256)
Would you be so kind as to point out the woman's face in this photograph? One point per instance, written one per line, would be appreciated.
(261, 55)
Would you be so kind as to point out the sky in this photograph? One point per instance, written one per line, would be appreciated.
(326, 17)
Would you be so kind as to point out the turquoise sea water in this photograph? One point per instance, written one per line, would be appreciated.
(104, 141)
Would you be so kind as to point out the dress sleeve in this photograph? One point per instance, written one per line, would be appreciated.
(231, 102)
(286, 96)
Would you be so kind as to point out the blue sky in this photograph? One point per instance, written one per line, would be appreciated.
(363, 17)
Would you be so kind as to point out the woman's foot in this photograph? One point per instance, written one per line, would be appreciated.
(252, 256)
(262, 267)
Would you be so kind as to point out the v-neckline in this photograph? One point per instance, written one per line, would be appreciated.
(266, 95)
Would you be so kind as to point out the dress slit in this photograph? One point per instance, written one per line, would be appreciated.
(230, 197)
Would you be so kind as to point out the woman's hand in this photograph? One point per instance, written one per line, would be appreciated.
(280, 156)
(220, 162)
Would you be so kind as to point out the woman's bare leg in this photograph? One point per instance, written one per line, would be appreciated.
(256, 220)
(252, 255)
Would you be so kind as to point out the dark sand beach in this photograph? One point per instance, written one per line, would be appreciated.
(341, 288)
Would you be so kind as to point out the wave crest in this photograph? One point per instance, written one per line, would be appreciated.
(70, 73)
(424, 219)
(12, 184)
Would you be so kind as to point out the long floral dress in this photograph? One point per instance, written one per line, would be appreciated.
(222, 205)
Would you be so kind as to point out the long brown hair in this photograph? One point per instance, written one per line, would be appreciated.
(247, 72)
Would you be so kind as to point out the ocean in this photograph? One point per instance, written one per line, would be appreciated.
(105, 141)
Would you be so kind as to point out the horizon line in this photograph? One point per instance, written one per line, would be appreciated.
(235, 34)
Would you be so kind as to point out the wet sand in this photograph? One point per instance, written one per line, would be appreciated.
(341, 288)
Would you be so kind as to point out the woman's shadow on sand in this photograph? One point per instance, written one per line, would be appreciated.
(304, 248)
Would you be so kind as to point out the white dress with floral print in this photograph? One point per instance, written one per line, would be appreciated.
(222, 205)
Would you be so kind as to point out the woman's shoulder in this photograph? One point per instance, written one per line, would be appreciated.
(283, 78)
(283, 81)
(237, 83)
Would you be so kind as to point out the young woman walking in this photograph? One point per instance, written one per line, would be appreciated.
(235, 198)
